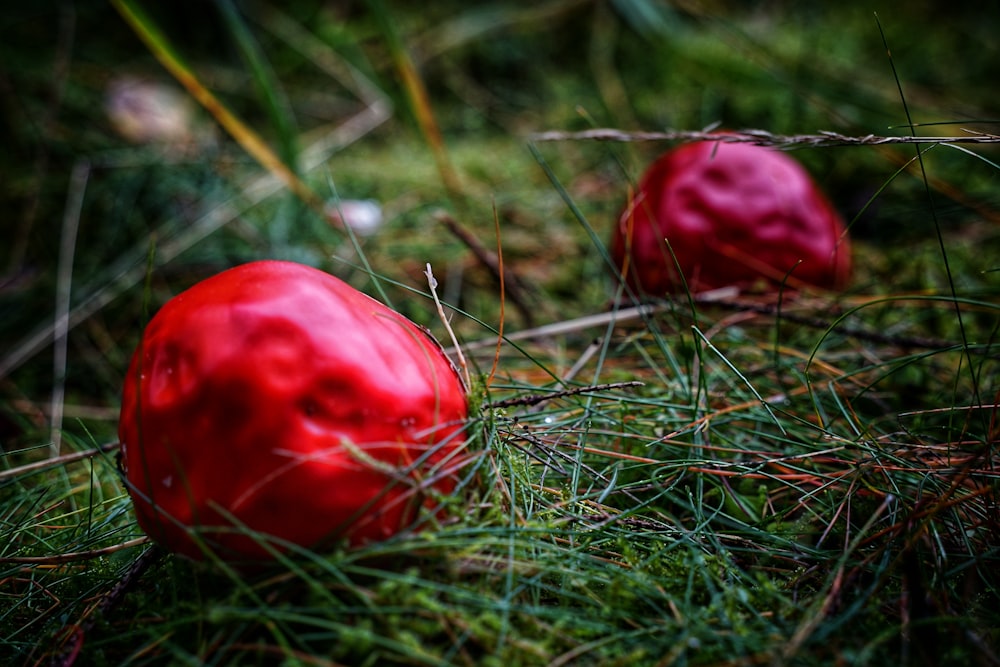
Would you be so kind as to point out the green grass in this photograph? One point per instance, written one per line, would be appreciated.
(744, 484)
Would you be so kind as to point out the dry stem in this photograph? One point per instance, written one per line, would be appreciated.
(761, 138)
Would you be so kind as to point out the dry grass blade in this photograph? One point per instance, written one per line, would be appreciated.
(763, 138)
(240, 131)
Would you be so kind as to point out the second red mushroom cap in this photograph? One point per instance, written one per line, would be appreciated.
(729, 214)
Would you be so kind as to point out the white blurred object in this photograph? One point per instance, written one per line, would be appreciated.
(364, 216)
(149, 112)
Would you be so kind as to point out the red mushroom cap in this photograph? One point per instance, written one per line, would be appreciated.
(277, 397)
(732, 214)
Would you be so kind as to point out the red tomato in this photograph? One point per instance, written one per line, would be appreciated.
(733, 214)
(276, 397)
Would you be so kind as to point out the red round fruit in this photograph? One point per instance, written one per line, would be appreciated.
(277, 398)
(732, 214)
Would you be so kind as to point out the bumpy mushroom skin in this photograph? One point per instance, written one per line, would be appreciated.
(732, 214)
(277, 397)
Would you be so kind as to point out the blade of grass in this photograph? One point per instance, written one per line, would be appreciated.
(252, 143)
(932, 208)
(64, 285)
(266, 82)
(419, 99)
(766, 405)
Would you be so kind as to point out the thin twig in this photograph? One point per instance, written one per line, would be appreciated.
(513, 287)
(715, 298)
(570, 326)
(57, 461)
(588, 354)
(761, 138)
(432, 283)
(73, 556)
(535, 399)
